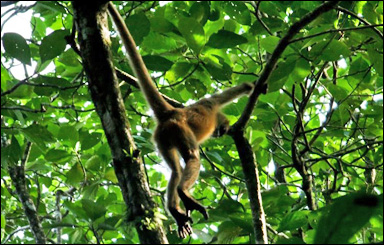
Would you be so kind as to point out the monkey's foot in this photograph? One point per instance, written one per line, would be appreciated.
(184, 228)
(191, 204)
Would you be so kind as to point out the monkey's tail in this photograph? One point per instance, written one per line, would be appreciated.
(154, 99)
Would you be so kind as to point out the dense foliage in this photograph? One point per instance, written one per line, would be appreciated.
(324, 109)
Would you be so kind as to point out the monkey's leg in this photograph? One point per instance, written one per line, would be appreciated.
(190, 153)
(171, 157)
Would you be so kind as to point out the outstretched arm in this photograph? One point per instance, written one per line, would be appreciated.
(232, 93)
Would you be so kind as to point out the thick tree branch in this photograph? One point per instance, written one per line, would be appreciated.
(247, 157)
(17, 174)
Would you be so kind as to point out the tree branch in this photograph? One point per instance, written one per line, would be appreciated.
(346, 11)
(17, 174)
(270, 66)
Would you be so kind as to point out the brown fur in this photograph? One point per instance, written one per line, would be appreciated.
(180, 131)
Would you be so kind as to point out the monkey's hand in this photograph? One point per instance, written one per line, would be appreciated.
(191, 204)
(264, 88)
(248, 87)
(184, 228)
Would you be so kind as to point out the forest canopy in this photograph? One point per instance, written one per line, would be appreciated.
(316, 136)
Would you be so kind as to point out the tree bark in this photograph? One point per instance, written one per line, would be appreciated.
(92, 24)
(17, 174)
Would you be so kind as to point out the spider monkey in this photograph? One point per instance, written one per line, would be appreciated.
(179, 131)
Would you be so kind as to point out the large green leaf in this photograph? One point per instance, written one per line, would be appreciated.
(157, 63)
(330, 50)
(88, 140)
(93, 209)
(193, 33)
(238, 11)
(139, 26)
(225, 39)
(68, 133)
(293, 221)
(53, 45)
(269, 43)
(16, 46)
(178, 71)
(57, 156)
(75, 175)
(38, 135)
(200, 11)
(346, 216)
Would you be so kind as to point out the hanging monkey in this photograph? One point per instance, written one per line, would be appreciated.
(179, 131)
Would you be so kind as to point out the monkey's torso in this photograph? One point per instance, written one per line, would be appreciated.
(196, 121)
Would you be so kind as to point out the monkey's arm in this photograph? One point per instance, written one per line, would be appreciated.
(232, 93)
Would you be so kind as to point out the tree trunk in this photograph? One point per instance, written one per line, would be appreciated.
(92, 24)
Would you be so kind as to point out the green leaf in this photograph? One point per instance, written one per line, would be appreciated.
(225, 39)
(238, 11)
(346, 216)
(160, 24)
(178, 71)
(280, 75)
(3, 221)
(93, 209)
(139, 26)
(293, 221)
(200, 11)
(93, 163)
(193, 33)
(88, 140)
(269, 43)
(158, 42)
(213, 26)
(16, 46)
(243, 220)
(196, 87)
(301, 70)
(218, 68)
(330, 51)
(90, 191)
(13, 152)
(227, 206)
(228, 231)
(68, 133)
(157, 63)
(376, 59)
(358, 71)
(111, 176)
(75, 175)
(38, 135)
(53, 45)
(75, 209)
(38, 165)
(57, 156)
(337, 92)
